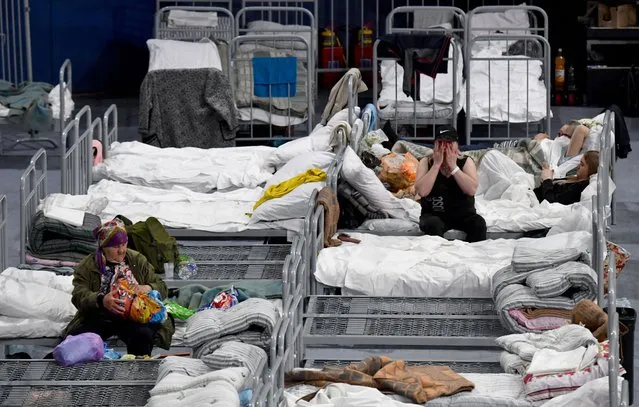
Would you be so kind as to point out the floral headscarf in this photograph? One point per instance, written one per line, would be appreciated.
(111, 234)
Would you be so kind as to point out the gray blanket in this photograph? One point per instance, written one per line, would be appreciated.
(187, 108)
(558, 282)
(53, 239)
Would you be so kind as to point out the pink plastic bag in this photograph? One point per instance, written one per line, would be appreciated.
(86, 347)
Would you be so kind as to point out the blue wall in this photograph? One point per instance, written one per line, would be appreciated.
(105, 40)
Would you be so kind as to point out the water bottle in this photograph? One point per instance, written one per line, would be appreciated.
(187, 269)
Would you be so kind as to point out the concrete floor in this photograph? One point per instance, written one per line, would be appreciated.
(623, 233)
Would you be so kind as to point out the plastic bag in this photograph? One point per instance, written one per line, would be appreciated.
(111, 354)
(178, 311)
(186, 267)
(82, 348)
(399, 171)
(224, 300)
(140, 307)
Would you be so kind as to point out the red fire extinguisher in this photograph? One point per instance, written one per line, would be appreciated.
(364, 52)
(332, 57)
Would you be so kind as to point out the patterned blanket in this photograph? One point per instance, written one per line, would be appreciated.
(419, 383)
(244, 89)
(53, 239)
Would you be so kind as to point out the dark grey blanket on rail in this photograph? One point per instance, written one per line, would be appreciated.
(53, 239)
(187, 108)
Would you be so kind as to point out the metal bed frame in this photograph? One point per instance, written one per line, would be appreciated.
(417, 119)
(4, 237)
(65, 85)
(225, 30)
(306, 55)
(539, 34)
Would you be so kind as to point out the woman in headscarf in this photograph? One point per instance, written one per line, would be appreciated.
(100, 308)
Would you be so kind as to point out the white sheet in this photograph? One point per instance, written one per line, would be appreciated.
(34, 303)
(220, 212)
(200, 170)
(262, 116)
(427, 266)
(392, 75)
(525, 88)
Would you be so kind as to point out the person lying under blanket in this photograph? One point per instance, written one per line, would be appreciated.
(577, 131)
(567, 191)
(447, 184)
(97, 296)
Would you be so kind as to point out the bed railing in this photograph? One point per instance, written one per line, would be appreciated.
(15, 41)
(4, 238)
(77, 160)
(33, 189)
(421, 116)
(534, 33)
(222, 26)
(242, 83)
(110, 130)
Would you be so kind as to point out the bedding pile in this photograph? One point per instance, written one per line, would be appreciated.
(52, 239)
(556, 362)
(424, 266)
(543, 283)
(187, 382)
(34, 303)
(251, 322)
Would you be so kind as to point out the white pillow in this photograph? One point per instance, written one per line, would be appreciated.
(317, 141)
(365, 181)
(294, 204)
(342, 116)
(169, 54)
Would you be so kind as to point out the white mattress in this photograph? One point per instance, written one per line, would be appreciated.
(262, 116)
(424, 266)
(34, 303)
(219, 212)
(200, 170)
(514, 78)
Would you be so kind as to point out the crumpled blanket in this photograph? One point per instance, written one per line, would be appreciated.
(520, 348)
(251, 321)
(545, 279)
(27, 104)
(194, 296)
(327, 198)
(419, 383)
(188, 382)
(53, 239)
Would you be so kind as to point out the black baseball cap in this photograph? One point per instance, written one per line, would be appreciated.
(446, 133)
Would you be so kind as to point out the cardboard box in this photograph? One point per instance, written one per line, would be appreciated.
(622, 16)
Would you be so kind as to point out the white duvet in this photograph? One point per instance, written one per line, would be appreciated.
(34, 303)
(219, 212)
(200, 170)
(424, 266)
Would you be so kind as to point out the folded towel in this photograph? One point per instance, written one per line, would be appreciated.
(549, 361)
(258, 315)
(566, 338)
(275, 77)
(237, 354)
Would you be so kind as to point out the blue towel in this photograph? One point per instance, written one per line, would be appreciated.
(279, 74)
(370, 109)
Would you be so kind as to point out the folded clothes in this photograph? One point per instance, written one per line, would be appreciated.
(532, 313)
(537, 324)
(549, 361)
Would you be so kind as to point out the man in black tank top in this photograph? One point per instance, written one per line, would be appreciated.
(447, 183)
